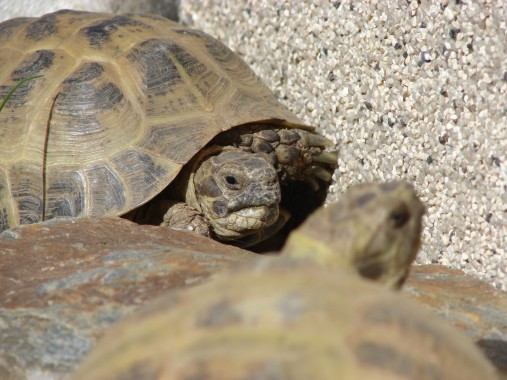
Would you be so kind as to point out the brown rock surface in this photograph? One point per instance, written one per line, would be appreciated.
(471, 305)
(63, 284)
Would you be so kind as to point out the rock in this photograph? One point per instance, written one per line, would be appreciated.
(471, 305)
(63, 284)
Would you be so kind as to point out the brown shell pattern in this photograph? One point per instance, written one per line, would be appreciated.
(123, 103)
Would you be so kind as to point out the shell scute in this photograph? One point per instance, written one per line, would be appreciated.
(35, 64)
(10, 27)
(103, 32)
(91, 114)
(66, 193)
(85, 99)
(87, 72)
(107, 189)
(140, 172)
(157, 71)
(42, 27)
(381, 358)
(26, 191)
(177, 142)
(7, 212)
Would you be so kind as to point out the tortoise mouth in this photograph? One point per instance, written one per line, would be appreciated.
(245, 222)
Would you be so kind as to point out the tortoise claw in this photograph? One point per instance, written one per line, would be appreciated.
(317, 141)
(325, 157)
(312, 183)
(322, 173)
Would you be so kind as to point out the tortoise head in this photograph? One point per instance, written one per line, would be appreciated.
(238, 193)
(375, 229)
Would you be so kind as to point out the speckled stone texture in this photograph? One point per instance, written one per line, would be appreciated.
(406, 90)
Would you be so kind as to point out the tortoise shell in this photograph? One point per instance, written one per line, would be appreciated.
(285, 320)
(123, 102)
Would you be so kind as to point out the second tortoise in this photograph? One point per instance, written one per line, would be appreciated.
(304, 315)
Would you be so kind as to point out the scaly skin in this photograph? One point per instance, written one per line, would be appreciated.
(375, 229)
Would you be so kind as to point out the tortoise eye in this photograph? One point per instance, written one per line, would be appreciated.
(232, 182)
(400, 217)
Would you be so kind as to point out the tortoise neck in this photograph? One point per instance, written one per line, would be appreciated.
(301, 246)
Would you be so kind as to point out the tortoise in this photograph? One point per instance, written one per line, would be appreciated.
(123, 104)
(306, 314)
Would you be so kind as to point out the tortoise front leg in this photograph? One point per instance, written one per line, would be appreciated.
(173, 214)
(297, 154)
(181, 216)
